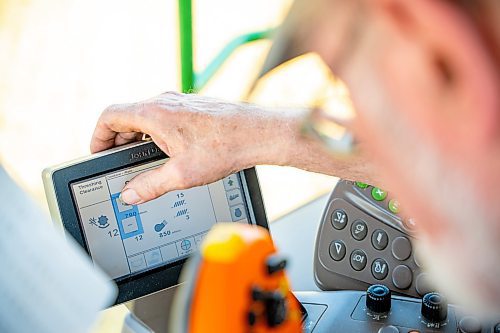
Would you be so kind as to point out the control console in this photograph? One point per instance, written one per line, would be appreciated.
(377, 310)
(373, 280)
(364, 240)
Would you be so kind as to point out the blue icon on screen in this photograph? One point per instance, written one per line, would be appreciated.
(185, 245)
(159, 227)
(101, 222)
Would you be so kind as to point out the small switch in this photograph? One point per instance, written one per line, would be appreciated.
(252, 318)
(275, 263)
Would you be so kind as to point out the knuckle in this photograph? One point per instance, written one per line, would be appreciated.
(143, 110)
(171, 93)
(147, 114)
(111, 112)
(183, 183)
(113, 108)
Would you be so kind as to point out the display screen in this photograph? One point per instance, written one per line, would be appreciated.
(129, 239)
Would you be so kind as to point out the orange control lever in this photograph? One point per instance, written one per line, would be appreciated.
(236, 284)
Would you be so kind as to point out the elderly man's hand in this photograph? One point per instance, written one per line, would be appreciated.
(206, 139)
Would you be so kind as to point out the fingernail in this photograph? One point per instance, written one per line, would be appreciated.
(130, 196)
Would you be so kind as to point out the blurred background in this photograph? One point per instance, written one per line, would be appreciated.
(63, 61)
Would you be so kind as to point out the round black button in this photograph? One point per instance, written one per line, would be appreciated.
(422, 284)
(339, 219)
(434, 307)
(337, 250)
(469, 325)
(359, 230)
(388, 329)
(380, 239)
(402, 277)
(380, 269)
(378, 298)
(401, 248)
(497, 328)
(358, 260)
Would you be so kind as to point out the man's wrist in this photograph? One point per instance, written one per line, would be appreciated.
(268, 136)
(274, 137)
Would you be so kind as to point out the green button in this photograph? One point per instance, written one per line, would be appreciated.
(378, 194)
(361, 185)
(394, 206)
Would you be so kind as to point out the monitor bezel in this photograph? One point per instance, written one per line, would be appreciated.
(159, 278)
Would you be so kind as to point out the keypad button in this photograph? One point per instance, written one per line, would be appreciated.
(401, 248)
(402, 277)
(378, 194)
(234, 197)
(359, 230)
(469, 325)
(410, 224)
(380, 269)
(237, 212)
(393, 206)
(231, 182)
(388, 329)
(337, 250)
(339, 219)
(358, 260)
(380, 239)
(422, 284)
(361, 185)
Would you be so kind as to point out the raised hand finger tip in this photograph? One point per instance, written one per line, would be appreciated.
(130, 197)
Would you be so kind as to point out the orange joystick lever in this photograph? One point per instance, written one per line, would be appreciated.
(237, 283)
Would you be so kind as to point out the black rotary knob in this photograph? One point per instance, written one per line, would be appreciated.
(434, 307)
(378, 298)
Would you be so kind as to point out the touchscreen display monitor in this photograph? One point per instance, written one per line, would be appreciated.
(125, 240)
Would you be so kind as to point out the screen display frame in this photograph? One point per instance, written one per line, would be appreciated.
(157, 278)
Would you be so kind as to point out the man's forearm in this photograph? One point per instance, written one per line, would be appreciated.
(277, 140)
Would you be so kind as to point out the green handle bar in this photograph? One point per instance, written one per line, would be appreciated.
(190, 80)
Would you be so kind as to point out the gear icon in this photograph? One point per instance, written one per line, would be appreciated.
(101, 222)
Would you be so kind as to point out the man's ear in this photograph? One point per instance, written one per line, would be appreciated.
(464, 73)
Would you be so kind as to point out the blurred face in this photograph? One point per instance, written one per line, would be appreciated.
(426, 92)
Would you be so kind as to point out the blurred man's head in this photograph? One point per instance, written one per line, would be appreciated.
(424, 77)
